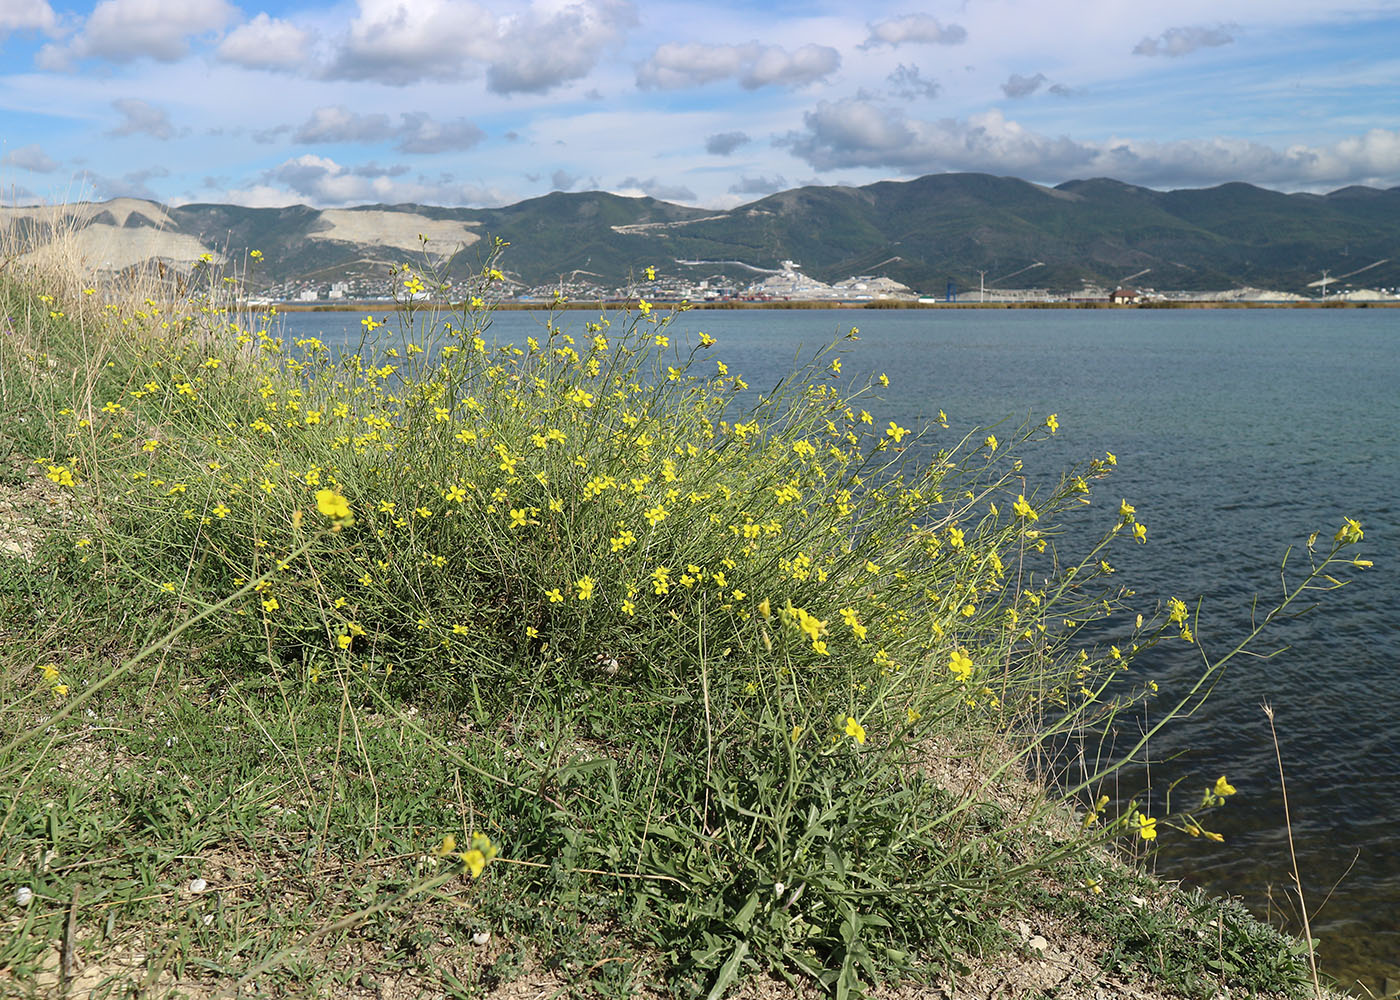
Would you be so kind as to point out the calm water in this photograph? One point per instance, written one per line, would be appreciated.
(1238, 432)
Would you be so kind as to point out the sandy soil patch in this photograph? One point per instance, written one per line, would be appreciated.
(396, 229)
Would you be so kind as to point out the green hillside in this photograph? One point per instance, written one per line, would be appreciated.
(924, 232)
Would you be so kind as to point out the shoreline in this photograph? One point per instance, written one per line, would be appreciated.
(798, 304)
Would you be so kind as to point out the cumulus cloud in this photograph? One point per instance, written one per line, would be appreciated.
(532, 50)
(1022, 86)
(913, 29)
(538, 51)
(265, 43)
(415, 131)
(320, 180)
(676, 65)
(861, 133)
(908, 83)
(31, 158)
(759, 185)
(654, 188)
(25, 15)
(142, 118)
(724, 143)
(126, 30)
(1182, 41)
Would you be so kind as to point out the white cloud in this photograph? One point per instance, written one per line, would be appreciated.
(532, 50)
(676, 65)
(142, 118)
(861, 133)
(908, 83)
(340, 124)
(25, 15)
(420, 133)
(319, 180)
(126, 30)
(913, 28)
(265, 43)
(539, 51)
(1184, 40)
(416, 131)
(31, 157)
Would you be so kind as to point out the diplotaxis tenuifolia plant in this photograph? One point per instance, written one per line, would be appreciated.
(753, 679)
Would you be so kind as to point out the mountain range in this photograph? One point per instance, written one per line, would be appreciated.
(925, 233)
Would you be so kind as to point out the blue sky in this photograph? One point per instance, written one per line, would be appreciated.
(487, 102)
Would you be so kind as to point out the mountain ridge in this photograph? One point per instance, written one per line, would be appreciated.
(926, 232)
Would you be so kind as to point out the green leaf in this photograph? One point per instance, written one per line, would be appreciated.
(729, 971)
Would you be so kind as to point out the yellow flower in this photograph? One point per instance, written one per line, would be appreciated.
(343, 641)
(1126, 511)
(895, 431)
(651, 273)
(960, 665)
(1350, 532)
(1146, 827)
(1053, 422)
(221, 511)
(448, 845)
(585, 585)
(855, 730)
(1112, 458)
(270, 604)
(1140, 533)
(991, 442)
(1223, 787)
(334, 506)
(479, 854)
(555, 597)
(1024, 509)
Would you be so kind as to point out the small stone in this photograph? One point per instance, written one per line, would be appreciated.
(1037, 943)
(24, 896)
(481, 938)
(198, 885)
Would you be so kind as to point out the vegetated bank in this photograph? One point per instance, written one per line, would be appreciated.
(448, 667)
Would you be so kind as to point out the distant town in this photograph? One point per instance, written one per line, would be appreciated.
(787, 283)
